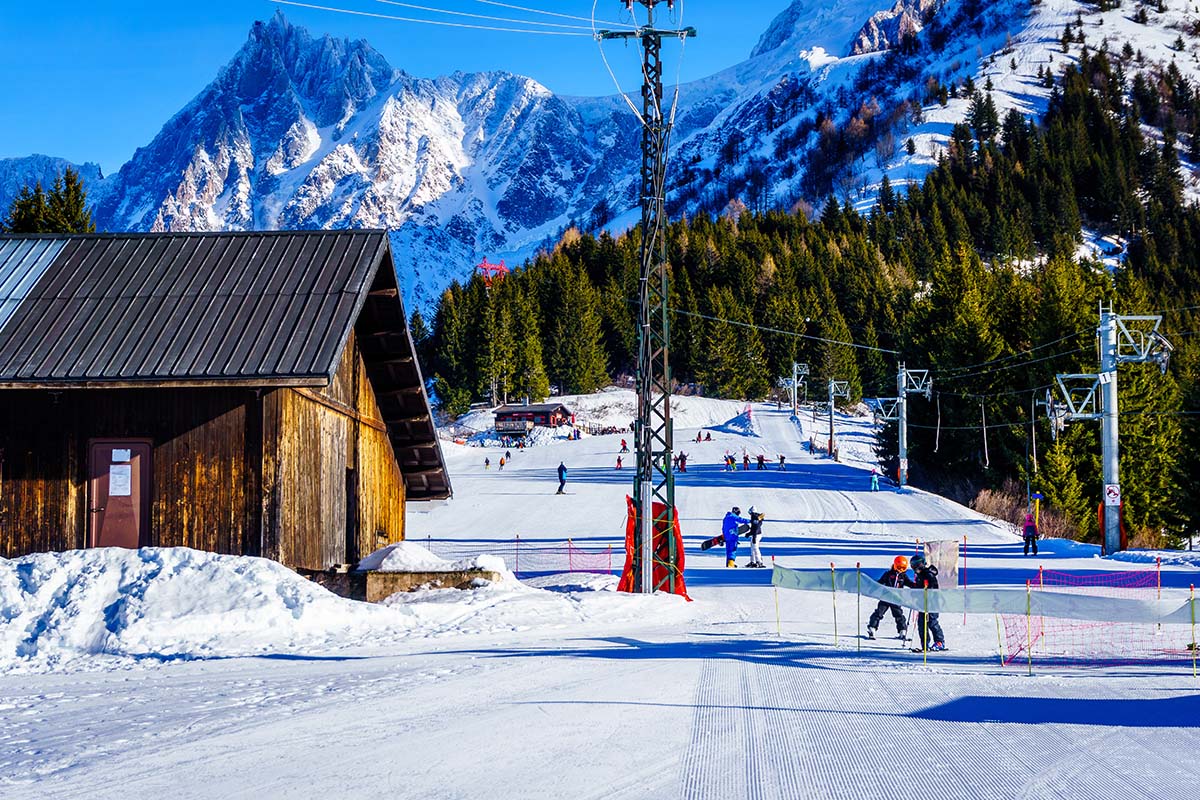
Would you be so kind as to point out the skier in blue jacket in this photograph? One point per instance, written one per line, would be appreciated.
(729, 529)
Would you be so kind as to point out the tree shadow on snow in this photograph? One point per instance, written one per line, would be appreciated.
(1165, 712)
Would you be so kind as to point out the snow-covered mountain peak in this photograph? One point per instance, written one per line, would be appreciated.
(807, 24)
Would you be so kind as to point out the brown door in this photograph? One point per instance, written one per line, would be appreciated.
(118, 492)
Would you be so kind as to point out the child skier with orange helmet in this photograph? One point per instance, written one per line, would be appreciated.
(894, 578)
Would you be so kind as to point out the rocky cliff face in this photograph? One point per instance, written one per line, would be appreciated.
(17, 173)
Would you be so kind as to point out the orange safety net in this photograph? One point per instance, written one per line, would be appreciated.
(662, 563)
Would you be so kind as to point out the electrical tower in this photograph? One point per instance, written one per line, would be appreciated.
(908, 381)
(491, 272)
(654, 480)
(1123, 340)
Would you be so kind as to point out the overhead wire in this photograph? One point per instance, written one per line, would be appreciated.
(548, 13)
(952, 378)
(780, 331)
(441, 23)
(611, 74)
(435, 10)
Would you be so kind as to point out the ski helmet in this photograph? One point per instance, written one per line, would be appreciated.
(918, 562)
(737, 510)
(900, 564)
(752, 511)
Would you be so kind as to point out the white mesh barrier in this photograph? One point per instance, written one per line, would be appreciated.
(1060, 605)
(943, 554)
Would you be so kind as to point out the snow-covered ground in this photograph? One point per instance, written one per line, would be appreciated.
(561, 687)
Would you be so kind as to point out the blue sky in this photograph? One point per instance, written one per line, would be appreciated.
(92, 81)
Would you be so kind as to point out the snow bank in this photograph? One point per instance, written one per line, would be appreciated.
(412, 557)
(111, 608)
(167, 603)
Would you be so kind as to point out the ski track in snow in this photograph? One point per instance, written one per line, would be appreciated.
(707, 700)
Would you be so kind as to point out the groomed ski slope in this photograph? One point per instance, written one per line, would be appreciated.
(597, 695)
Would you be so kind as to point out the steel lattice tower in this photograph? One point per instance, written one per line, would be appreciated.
(654, 480)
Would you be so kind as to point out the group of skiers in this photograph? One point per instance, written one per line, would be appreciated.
(730, 462)
(929, 630)
(733, 526)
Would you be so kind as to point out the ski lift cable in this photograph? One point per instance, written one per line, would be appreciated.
(593, 20)
(441, 23)
(783, 332)
(1012, 366)
(435, 10)
(1019, 354)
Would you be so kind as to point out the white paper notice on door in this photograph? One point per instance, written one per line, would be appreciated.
(122, 455)
(120, 480)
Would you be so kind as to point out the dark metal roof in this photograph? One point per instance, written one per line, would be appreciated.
(536, 408)
(267, 308)
(217, 309)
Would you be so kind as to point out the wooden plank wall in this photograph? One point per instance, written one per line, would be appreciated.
(199, 498)
(340, 492)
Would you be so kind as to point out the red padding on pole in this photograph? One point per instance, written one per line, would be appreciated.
(661, 550)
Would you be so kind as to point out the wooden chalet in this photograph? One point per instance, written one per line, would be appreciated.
(519, 420)
(242, 393)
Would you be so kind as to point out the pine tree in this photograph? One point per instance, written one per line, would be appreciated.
(28, 212)
(1059, 482)
(67, 210)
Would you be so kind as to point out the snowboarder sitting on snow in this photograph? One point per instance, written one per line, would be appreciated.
(894, 578)
(729, 529)
(1030, 534)
(927, 625)
(562, 477)
(756, 521)
(708, 437)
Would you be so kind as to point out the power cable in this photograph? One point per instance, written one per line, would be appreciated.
(423, 21)
(952, 378)
(549, 13)
(611, 74)
(435, 10)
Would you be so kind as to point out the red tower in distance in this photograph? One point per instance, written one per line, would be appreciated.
(491, 272)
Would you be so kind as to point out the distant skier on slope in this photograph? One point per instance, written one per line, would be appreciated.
(782, 463)
(729, 529)
(874, 479)
(562, 477)
(619, 465)
(762, 461)
(1030, 534)
(894, 578)
(927, 625)
(624, 446)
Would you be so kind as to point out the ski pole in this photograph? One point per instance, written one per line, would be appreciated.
(778, 624)
(858, 620)
(833, 586)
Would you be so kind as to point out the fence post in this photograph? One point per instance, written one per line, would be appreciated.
(517, 559)
(778, 624)
(999, 640)
(858, 622)
(1029, 623)
(833, 586)
(570, 560)
(1158, 569)
(964, 579)
(1041, 619)
(610, 559)
(925, 633)
(1192, 603)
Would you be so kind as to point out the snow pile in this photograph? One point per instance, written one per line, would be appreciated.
(741, 425)
(554, 601)
(167, 603)
(1172, 558)
(412, 557)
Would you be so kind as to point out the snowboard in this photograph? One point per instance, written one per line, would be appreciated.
(719, 539)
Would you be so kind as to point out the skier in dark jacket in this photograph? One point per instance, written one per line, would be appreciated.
(754, 534)
(926, 578)
(729, 529)
(894, 578)
(562, 477)
(1030, 534)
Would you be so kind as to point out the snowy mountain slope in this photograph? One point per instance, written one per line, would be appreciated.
(304, 132)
